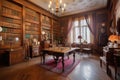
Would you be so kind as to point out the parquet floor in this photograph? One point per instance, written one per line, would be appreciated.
(87, 69)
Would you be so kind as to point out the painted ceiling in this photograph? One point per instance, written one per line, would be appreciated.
(74, 6)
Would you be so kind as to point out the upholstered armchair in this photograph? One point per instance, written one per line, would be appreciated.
(87, 48)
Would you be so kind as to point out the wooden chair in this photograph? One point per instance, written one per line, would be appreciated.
(87, 48)
(43, 45)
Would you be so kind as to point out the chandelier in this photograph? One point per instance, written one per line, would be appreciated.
(56, 6)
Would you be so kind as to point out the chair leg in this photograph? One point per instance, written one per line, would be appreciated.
(115, 73)
(107, 69)
(100, 63)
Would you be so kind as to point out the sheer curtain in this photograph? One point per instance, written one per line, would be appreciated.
(89, 21)
(70, 26)
(80, 27)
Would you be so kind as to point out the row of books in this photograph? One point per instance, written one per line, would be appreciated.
(31, 32)
(31, 12)
(32, 17)
(12, 12)
(45, 19)
(31, 28)
(10, 20)
(6, 3)
(10, 25)
(10, 30)
(7, 37)
(31, 24)
(31, 35)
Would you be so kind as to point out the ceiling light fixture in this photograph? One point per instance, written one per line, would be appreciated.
(56, 6)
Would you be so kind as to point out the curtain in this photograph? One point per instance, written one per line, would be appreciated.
(70, 25)
(89, 20)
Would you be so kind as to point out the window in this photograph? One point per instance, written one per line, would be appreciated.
(80, 28)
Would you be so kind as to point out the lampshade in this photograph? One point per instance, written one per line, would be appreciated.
(113, 38)
(79, 37)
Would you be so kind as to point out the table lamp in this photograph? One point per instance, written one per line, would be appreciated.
(114, 39)
(80, 37)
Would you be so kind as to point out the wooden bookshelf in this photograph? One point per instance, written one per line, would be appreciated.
(46, 26)
(56, 30)
(32, 28)
(22, 20)
(11, 22)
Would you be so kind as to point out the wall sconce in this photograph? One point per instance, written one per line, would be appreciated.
(38, 43)
(1, 36)
(12, 40)
(1, 29)
(43, 32)
(0, 40)
(16, 39)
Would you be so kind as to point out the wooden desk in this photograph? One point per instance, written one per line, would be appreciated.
(59, 52)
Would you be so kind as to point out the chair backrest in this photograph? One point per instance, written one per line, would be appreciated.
(45, 44)
(88, 45)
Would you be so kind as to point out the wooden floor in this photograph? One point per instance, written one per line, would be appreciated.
(87, 69)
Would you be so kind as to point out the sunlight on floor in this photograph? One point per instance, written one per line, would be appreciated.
(87, 71)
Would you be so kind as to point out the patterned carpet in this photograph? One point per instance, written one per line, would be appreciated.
(69, 65)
